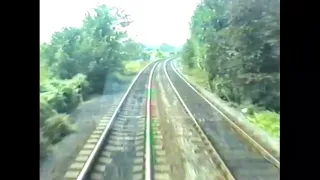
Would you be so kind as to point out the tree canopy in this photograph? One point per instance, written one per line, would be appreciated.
(77, 62)
(237, 43)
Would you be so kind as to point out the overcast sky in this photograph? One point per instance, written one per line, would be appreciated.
(155, 21)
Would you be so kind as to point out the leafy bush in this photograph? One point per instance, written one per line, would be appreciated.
(65, 95)
(200, 77)
(53, 126)
(46, 111)
(160, 54)
(59, 96)
(56, 100)
(131, 68)
(56, 127)
(80, 84)
(268, 121)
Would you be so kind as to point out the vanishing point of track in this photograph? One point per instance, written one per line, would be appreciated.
(120, 147)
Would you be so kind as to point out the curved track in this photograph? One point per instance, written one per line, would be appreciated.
(119, 148)
(128, 145)
(241, 157)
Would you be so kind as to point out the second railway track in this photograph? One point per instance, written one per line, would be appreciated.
(241, 157)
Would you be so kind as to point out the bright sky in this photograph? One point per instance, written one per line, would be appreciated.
(155, 21)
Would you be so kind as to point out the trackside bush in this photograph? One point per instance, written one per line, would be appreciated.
(57, 98)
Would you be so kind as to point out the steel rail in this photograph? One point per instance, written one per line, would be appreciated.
(219, 159)
(267, 155)
(95, 153)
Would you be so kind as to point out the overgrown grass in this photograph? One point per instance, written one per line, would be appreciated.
(198, 76)
(266, 120)
(131, 68)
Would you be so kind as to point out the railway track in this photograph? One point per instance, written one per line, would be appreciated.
(129, 144)
(182, 149)
(119, 148)
(236, 154)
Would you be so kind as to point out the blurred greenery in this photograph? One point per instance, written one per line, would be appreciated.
(270, 121)
(234, 51)
(76, 64)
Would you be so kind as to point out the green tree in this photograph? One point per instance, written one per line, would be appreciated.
(159, 54)
(95, 50)
(77, 62)
(133, 49)
(238, 44)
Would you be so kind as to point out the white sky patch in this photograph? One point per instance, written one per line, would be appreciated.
(155, 21)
